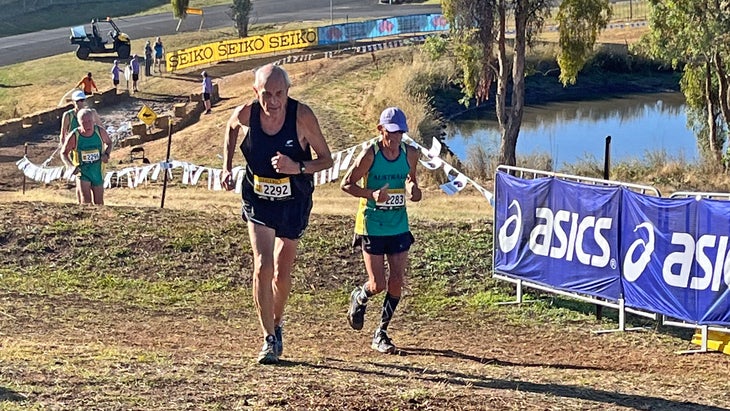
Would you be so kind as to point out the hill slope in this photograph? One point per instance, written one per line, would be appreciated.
(140, 309)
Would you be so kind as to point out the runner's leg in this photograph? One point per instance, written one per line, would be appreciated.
(262, 244)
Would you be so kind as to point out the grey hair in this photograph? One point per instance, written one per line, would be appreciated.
(84, 111)
(260, 74)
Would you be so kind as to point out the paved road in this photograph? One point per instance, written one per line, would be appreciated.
(31, 46)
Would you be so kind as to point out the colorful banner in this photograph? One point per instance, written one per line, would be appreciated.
(247, 46)
(349, 32)
(558, 233)
(676, 257)
(191, 173)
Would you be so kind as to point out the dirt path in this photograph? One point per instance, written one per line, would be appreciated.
(121, 308)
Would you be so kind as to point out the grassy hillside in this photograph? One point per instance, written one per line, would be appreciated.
(126, 308)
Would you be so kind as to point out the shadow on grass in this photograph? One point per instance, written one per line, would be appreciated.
(406, 351)
(14, 85)
(442, 376)
(7, 394)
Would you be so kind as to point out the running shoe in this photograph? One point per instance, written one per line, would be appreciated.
(268, 352)
(279, 334)
(382, 343)
(356, 313)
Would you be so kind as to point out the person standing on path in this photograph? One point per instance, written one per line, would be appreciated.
(91, 146)
(86, 84)
(207, 91)
(115, 74)
(147, 59)
(134, 64)
(280, 135)
(159, 54)
(383, 177)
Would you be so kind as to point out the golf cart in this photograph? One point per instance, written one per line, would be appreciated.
(115, 41)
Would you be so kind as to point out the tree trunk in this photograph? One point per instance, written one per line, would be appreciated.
(514, 118)
(712, 124)
(506, 151)
(723, 85)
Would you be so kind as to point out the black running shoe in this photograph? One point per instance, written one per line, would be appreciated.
(356, 313)
(279, 334)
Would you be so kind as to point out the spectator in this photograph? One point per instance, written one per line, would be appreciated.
(134, 64)
(147, 59)
(86, 84)
(159, 53)
(115, 74)
(207, 91)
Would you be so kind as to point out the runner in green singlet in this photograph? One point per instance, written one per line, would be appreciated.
(92, 147)
(383, 177)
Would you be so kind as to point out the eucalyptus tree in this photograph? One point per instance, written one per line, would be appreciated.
(240, 11)
(478, 35)
(179, 8)
(694, 36)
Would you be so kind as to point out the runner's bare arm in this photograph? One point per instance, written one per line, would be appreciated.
(107, 142)
(308, 128)
(412, 188)
(69, 145)
(351, 182)
(64, 128)
(239, 120)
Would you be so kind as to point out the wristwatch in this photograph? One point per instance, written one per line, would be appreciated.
(302, 167)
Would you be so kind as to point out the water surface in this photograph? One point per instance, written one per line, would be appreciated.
(571, 131)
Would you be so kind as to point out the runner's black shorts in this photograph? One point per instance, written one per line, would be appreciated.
(384, 244)
(289, 218)
(135, 77)
(206, 96)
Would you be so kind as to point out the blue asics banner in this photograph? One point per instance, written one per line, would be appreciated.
(676, 257)
(558, 233)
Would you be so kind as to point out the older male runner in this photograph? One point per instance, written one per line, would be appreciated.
(280, 134)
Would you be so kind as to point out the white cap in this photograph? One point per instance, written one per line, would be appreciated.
(78, 95)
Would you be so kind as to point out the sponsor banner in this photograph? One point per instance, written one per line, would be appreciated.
(676, 257)
(558, 233)
(247, 46)
(348, 32)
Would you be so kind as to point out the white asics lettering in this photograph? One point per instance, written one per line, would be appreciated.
(507, 242)
(549, 238)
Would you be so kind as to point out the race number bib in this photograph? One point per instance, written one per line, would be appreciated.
(272, 188)
(396, 199)
(90, 156)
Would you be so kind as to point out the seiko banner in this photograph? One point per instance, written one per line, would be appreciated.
(247, 46)
(558, 233)
(673, 259)
(676, 257)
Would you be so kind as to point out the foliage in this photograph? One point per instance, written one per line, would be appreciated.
(179, 8)
(240, 11)
(695, 33)
(579, 23)
(478, 33)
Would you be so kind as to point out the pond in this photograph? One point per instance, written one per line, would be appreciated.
(572, 131)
